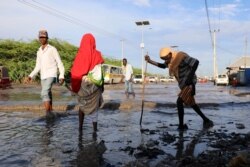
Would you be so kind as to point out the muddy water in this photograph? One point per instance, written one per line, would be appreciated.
(28, 139)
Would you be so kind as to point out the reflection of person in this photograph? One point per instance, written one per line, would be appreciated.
(87, 79)
(180, 146)
(190, 146)
(47, 62)
(128, 73)
(90, 152)
(183, 67)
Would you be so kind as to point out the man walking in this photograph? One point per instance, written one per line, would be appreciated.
(128, 73)
(47, 62)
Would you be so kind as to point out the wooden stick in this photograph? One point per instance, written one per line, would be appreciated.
(143, 87)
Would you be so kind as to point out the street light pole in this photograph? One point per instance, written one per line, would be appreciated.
(142, 24)
(142, 54)
(214, 54)
(122, 40)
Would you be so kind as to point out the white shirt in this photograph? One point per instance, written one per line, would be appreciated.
(47, 61)
(127, 71)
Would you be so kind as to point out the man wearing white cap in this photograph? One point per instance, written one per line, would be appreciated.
(47, 62)
(183, 67)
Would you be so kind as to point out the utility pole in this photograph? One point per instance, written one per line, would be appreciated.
(214, 53)
(142, 24)
(122, 40)
(246, 52)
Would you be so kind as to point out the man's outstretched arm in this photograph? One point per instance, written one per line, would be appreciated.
(160, 65)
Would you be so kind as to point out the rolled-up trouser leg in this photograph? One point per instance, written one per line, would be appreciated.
(127, 88)
(46, 93)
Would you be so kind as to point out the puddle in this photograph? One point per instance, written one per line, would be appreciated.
(28, 139)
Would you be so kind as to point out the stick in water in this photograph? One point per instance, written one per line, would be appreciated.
(143, 86)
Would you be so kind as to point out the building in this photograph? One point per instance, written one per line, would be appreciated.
(239, 71)
(242, 62)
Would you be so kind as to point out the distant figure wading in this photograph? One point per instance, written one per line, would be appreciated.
(128, 74)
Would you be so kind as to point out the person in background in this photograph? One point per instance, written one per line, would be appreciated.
(47, 62)
(87, 79)
(128, 74)
(183, 67)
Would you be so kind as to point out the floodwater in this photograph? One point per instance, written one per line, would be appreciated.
(27, 138)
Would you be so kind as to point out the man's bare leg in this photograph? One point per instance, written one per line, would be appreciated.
(48, 107)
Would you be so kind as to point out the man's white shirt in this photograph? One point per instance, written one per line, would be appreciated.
(127, 71)
(47, 62)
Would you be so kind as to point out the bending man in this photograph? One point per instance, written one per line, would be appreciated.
(183, 67)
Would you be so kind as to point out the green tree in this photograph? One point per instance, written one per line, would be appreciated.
(20, 57)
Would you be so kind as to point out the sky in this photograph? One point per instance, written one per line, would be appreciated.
(183, 23)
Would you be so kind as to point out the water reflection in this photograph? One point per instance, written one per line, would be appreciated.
(190, 146)
(88, 154)
(81, 139)
(26, 140)
(48, 132)
(180, 146)
(233, 91)
(46, 155)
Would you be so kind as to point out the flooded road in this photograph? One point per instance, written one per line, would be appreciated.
(28, 139)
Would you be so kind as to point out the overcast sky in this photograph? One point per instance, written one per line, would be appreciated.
(182, 23)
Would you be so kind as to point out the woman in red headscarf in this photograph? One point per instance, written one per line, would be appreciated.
(87, 79)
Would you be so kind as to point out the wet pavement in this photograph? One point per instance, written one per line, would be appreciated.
(27, 138)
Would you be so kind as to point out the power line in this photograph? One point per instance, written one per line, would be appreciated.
(219, 12)
(226, 50)
(66, 17)
(209, 24)
(72, 20)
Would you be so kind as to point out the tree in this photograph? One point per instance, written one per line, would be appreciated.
(20, 57)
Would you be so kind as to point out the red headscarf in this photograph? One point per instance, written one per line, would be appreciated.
(86, 59)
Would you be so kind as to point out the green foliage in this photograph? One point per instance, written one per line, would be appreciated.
(20, 57)
(112, 61)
